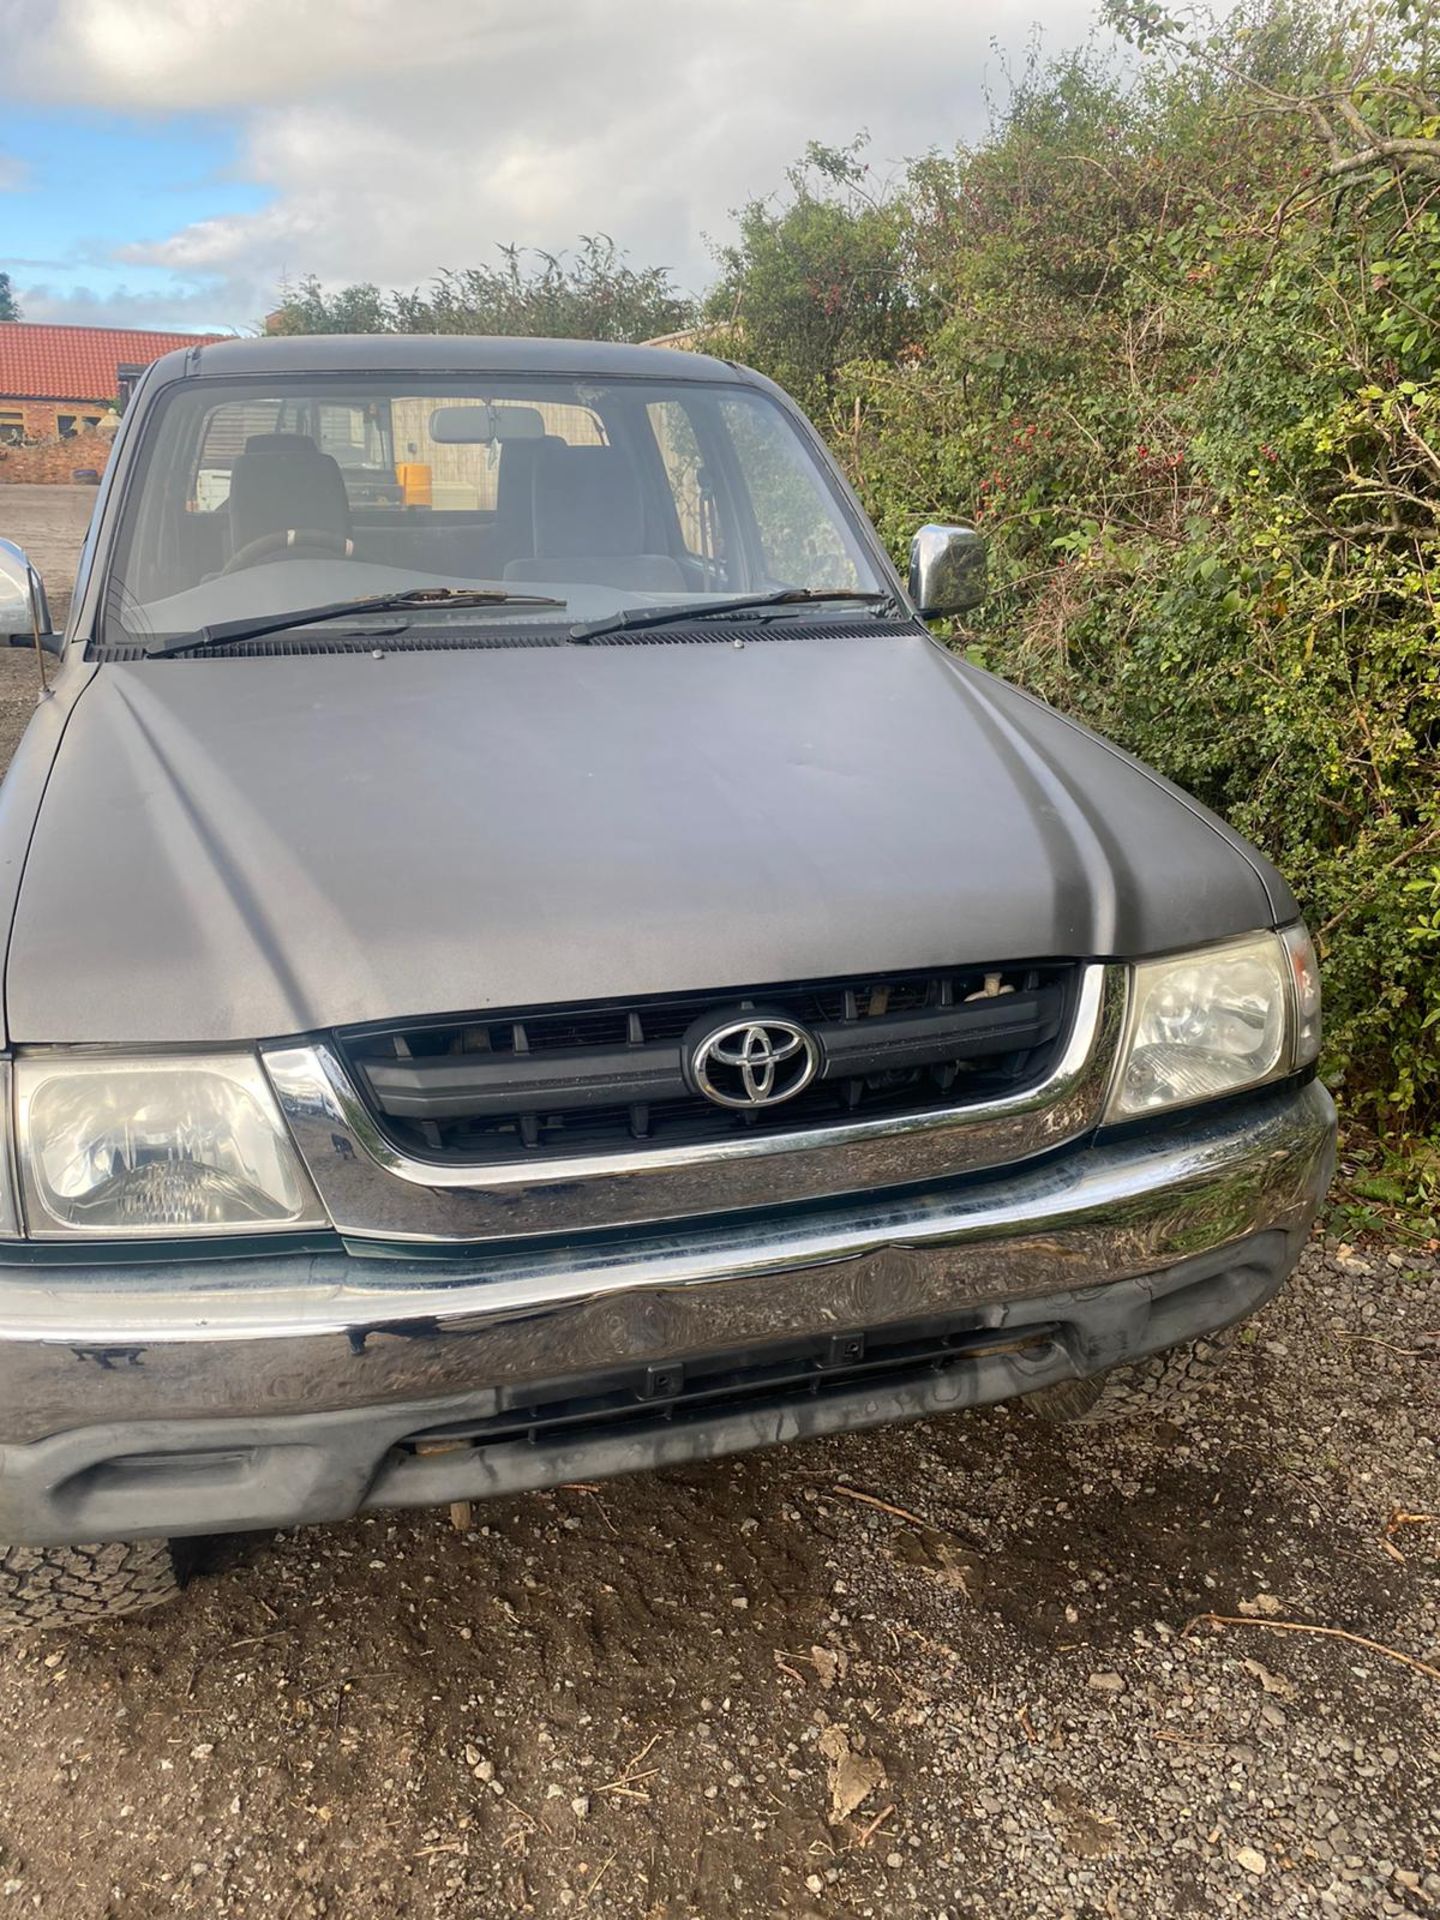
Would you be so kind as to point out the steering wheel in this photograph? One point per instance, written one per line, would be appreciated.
(294, 541)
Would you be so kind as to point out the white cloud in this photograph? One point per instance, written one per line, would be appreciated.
(184, 310)
(396, 137)
(193, 55)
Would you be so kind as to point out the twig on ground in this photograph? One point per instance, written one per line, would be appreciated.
(884, 1506)
(627, 1774)
(604, 1868)
(588, 1486)
(1323, 1633)
(1400, 1519)
(875, 1825)
(536, 1826)
(937, 1647)
(966, 1536)
(1374, 1340)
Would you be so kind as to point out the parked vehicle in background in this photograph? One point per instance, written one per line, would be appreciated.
(527, 961)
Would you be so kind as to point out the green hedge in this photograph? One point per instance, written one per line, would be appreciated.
(1171, 339)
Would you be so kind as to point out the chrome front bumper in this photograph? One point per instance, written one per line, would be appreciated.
(276, 1388)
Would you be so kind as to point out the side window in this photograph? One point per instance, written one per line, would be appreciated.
(696, 509)
(355, 434)
(800, 532)
(349, 433)
(222, 441)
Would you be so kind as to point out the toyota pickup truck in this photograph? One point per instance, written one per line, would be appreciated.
(548, 968)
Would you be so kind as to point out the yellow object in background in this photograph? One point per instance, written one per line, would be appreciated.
(414, 478)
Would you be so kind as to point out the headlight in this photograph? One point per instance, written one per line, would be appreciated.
(114, 1146)
(1217, 1020)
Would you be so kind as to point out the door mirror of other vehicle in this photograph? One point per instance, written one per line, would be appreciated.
(24, 610)
(947, 570)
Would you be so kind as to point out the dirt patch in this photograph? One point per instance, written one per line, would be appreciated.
(640, 1697)
(50, 523)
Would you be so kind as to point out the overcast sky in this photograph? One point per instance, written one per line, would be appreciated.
(171, 162)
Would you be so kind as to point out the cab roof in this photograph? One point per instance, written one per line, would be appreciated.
(426, 353)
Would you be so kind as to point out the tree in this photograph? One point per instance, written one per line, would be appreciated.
(817, 281)
(309, 309)
(9, 309)
(594, 294)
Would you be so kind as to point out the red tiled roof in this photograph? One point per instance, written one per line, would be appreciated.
(39, 362)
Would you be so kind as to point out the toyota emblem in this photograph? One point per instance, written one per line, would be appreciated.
(757, 1061)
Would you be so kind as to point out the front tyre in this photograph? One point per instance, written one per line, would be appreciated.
(74, 1586)
(1161, 1383)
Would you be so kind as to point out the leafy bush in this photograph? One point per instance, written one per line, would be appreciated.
(1170, 336)
(593, 295)
(804, 291)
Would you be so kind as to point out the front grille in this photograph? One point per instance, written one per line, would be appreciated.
(557, 1081)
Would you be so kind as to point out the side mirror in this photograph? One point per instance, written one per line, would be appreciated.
(947, 570)
(24, 610)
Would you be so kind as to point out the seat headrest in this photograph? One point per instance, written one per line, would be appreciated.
(282, 481)
(587, 501)
(515, 494)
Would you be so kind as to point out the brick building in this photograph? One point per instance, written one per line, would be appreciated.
(64, 380)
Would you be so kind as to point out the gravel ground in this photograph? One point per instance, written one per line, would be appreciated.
(960, 1669)
(49, 523)
(644, 1698)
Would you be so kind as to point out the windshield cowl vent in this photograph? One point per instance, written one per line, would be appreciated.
(725, 633)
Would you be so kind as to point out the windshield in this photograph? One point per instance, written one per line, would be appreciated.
(255, 497)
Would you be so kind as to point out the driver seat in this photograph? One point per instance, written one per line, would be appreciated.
(282, 483)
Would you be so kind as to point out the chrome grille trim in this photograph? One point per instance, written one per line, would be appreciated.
(373, 1190)
(531, 1083)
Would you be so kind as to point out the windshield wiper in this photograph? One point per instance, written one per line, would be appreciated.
(640, 617)
(224, 633)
